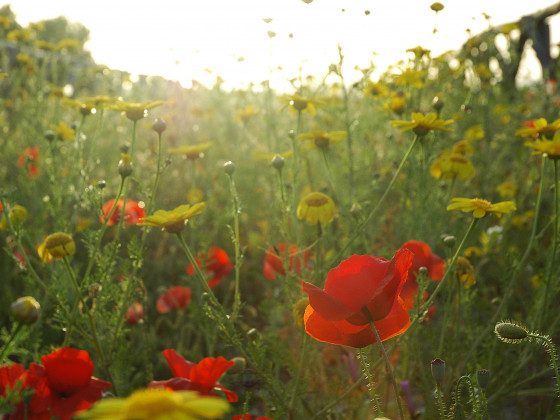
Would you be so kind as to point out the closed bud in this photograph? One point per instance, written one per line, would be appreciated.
(292, 134)
(438, 370)
(125, 165)
(253, 334)
(240, 365)
(483, 378)
(229, 168)
(125, 147)
(159, 125)
(49, 135)
(101, 184)
(278, 162)
(511, 332)
(25, 310)
(437, 103)
(449, 241)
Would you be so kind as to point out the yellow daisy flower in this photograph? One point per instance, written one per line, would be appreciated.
(375, 89)
(410, 77)
(451, 165)
(422, 124)
(316, 208)
(480, 207)
(464, 271)
(64, 132)
(506, 189)
(476, 132)
(56, 246)
(539, 127)
(419, 52)
(243, 116)
(135, 111)
(158, 404)
(323, 139)
(173, 221)
(299, 103)
(548, 148)
(192, 152)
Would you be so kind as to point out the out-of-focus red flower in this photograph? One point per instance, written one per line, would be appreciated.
(63, 385)
(176, 298)
(10, 375)
(30, 156)
(248, 417)
(423, 257)
(361, 289)
(133, 212)
(275, 258)
(216, 262)
(201, 377)
(134, 313)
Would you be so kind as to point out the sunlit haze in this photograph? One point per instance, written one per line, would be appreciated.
(182, 40)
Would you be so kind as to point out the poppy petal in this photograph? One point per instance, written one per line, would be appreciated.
(179, 366)
(329, 307)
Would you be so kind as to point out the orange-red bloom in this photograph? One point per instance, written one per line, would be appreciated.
(423, 257)
(63, 385)
(248, 417)
(133, 212)
(278, 258)
(134, 313)
(201, 377)
(216, 262)
(30, 156)
(361, 289)
(176, 298)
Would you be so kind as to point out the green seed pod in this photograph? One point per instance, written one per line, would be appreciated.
(483, 378)
(125, 165)
(438, 370)
(49, 135)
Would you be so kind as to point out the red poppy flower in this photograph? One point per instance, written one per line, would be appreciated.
(29, 157)
(9, 376)
(423, 257)
(360, 289)
(201, 377)
(64, 383)
(275, 258)
(134, 313)
(176, 298)
(133, 212)
(216, 262)
(248, 417)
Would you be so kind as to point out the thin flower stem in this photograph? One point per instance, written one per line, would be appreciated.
(440, 402)
(362, 226)
(237, 246)
(6, 347)
(387, 362)
(126, 183)
(448, 272)
(156, 180)
(551, 351)
(372, 392)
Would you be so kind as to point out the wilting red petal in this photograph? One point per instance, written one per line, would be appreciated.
(179, 366)
(176, 298)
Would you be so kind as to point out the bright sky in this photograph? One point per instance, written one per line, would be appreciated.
(179, 39)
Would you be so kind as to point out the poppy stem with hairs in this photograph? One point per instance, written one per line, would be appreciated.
(387, 361)
(370, 381)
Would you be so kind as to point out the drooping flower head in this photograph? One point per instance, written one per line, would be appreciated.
(177, 297)
(133, 212)
(217, 262)
(423, 257)
(362, 289)
(316, 207)
(202, 376)
(422, 124)
(173, 221)
(480, 207)
(280, 257)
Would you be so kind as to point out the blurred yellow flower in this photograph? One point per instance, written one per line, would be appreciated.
(5, 21)
(192, 152)
(18, 35)
(410, 77)
(316, 208)
(298, 103)
(462, 147)
(396, 103)
(437, 6)
(375, 89)
(134, 110)
(506, 189)
(57, 246)
(450, 165)
(422, 124)
(17, 215)
(158, 404)
(242, 116)
(524, 220)
(548, 148)
(480, 207)
(476, 132)
(323, 139)
(64, 132)
(464, 271)
(539, 127)
(173, 221)
(472, 251)
(419, 52)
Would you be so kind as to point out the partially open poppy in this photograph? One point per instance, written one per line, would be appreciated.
(202, 376)
(423, 257)
(176, 298)
(278, 256)
(29, 159)
(361, 289)
(133, 212)
(216, 262)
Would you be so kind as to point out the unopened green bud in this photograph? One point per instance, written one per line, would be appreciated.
(292, 134)
(240, 365)
(253, 334)
(438, 370)
(483, 378)
(125, 165)
(449, 241)
(229, 168)
(510, 332)
(125, 147)
(101, 184)
(25, 310)
(49, 135)
(159, 125)
(437, 103)
(278, 162)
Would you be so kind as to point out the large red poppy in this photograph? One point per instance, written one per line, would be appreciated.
(278, 258)
(133, 212)
(423, 257)
(30, 156)
(216, 262)
(64, 385)
(201, 377)
(360, 289)
(176, 298)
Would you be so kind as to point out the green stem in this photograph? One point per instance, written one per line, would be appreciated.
(387, 361)
(6, 347)
(365, 222)
(237, 245)
(440, 402)
(552, 352)
(370, 382)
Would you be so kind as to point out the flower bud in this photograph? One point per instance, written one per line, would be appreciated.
(292, 134)
(49, 135)
(438, 370)
(18, 214)
(25, 310)
(437, 103)
(278, 162)
(60, 245)
(101, 184)
(229, 167)
(240, 365)
(510, 332)
(125, 147)
(159, 125)
(125, 165)
(449, 241)
(483, 378)
(253, 334)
